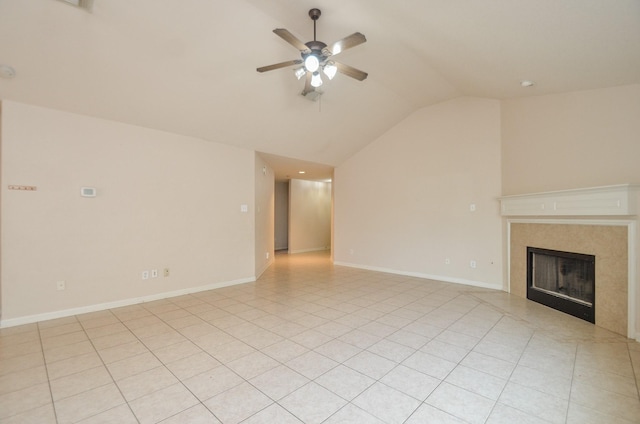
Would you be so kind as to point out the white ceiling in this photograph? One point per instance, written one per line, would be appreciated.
(189, 66)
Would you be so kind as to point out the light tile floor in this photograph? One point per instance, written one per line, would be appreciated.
(315, 343)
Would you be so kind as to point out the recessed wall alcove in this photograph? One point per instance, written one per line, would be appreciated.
(599, 222)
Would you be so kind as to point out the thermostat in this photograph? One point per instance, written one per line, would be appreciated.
(88, 192)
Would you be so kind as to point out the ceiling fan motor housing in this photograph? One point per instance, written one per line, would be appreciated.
(316, 48)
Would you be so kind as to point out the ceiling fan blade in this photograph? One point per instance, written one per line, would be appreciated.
(292, 39)
(350, 71)
(308, 88)
(352, 40)
(279, 65)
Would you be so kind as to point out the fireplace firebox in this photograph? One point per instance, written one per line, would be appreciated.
(562, 280)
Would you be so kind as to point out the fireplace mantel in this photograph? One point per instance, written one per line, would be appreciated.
(615, 200)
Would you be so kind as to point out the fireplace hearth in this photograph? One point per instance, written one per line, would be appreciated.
(561, 280)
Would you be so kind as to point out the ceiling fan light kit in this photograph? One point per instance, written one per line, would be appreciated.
(311, 63)
(330, 70)
(316, 56)
(316, 80)
(300, 72)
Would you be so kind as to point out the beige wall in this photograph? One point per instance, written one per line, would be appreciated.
(1, 202)
(571, 140)
(403, 203)
(265, 215)
(309, 216)
(163, 200)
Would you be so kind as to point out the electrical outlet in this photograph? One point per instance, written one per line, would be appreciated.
(166, 272)
(145, 275)
(447, 261)
(472, 207)
(266, 255)
(60, 285)
(154, 273)
(472, 264)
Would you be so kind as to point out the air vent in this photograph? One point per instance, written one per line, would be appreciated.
(82, 4)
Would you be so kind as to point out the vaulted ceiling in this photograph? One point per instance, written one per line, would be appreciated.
(189, 66)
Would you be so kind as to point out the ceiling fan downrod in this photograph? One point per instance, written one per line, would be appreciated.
(314, 14)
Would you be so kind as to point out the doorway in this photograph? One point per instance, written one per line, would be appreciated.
(281, 227)
(302, 216)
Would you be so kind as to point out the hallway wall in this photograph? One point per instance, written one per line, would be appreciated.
(309, 216)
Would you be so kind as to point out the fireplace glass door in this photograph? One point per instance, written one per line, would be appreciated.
(562, 280)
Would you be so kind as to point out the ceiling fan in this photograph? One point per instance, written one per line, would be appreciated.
(317, 56)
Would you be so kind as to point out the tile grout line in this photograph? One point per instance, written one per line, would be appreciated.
(379, 380)
(459, 363)
(221, 364)
(167, 368)
(511, 374)
(274, 401)
(46, 367)
(113, 380)
(573, 373)
(633, 370)
(311, 380)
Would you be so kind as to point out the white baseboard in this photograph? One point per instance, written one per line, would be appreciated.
(315, 249)
(426, 276)
(118, 303)
(264, 268)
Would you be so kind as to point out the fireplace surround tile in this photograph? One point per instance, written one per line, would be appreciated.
(607, 242)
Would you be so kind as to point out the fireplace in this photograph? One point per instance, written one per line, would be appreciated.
(562, 280)
(601, 221)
